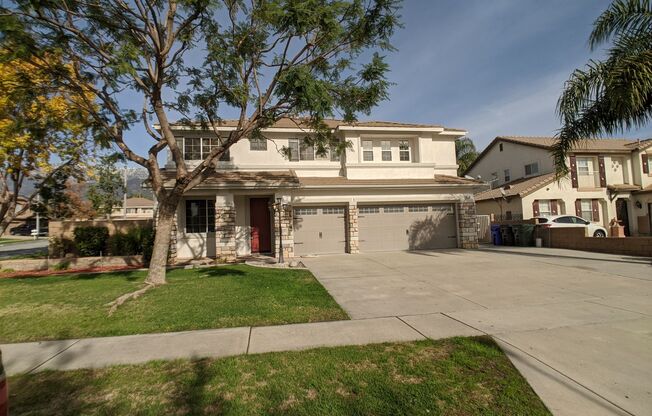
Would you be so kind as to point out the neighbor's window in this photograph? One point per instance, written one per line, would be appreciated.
(508, 177)
(386, 150)
(257, 143)
(501, 147)
(586, 209)
(367, 150)
(583, 166)
(531, 169)
(200, 216)
(132, 210)
(544, 208)
(404, 151)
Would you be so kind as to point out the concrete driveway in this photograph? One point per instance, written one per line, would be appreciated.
(577, 325)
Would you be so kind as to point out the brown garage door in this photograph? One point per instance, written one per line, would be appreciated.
(407, 227)
(319, 230)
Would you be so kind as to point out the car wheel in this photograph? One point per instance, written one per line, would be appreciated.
(599, 234)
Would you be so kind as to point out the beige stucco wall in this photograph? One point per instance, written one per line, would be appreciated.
(430, 153)
(493, 207)
(192, 245)
(513, 157)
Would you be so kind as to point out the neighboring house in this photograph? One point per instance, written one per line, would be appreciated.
(609, 178)
(25, 221)
(395, 188)
(135, 208)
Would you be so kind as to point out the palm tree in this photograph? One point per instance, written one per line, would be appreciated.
(465, 153)
(615, 94)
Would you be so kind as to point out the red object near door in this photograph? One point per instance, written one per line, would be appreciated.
(261, 225)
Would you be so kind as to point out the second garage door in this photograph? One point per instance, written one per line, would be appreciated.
(319, 230)
(407, 227)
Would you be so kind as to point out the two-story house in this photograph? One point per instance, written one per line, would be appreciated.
(394, 188)
(609, 178)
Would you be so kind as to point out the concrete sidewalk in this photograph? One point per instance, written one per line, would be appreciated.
(132, 349)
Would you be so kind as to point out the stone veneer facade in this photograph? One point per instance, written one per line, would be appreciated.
(352, 239)
(225, 250)
(286, 229)
(467, 224)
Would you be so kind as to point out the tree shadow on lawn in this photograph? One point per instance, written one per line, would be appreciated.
(221, 271)
(128, 275)
(182, 391)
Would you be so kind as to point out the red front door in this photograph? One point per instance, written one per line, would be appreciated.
(261, 232)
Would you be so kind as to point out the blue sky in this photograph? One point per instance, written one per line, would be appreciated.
(492, 67)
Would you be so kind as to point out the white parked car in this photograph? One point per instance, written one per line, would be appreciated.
(594, 230)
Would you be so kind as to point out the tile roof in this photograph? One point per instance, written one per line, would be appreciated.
(519, 187)
(623, 187)
(546, 142)
(341, 181)
(139, 202)
(243, 179)
(585, 145)
(287, 122)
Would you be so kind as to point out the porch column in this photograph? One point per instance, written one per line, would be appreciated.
(287, 228)
(352, 239)
(467, 223)
(225, 250)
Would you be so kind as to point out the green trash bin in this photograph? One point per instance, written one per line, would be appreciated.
(517, 230)
(527, 235)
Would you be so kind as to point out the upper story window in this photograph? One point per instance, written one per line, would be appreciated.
(198, 148)
(258, 143)
(299, 150)
(404, 151)
(532, 169)
(508, 177)
(386, 150)
(584, 166)
(500, 146)
(367, 150)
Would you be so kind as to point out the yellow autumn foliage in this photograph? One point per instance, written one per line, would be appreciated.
(40, 122)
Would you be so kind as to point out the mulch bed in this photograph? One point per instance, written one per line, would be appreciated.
(45, 273)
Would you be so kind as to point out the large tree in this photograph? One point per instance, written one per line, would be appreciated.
(264, 58)
(609, 96)
(43, 130)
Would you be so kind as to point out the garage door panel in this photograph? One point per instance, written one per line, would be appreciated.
(407, 227)
(319, 230)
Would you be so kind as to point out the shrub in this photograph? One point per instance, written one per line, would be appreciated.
(59, 247)
(91, 241)
(138, 240)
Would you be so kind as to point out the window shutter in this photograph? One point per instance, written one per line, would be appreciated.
(644, 162)
(603, 175)
(596, 210)
(573, 170)
(578, 207)
(535, 208)
(553, 207)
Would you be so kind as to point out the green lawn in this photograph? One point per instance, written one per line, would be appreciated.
(72, 306)
(457, 376)
(4, 241)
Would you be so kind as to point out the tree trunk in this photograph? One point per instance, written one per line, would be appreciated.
(164, 223)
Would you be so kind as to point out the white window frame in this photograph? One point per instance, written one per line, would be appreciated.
(386, 150)
(367, 150)
(299, 150)
(545, 208)
(404, 154)
(583, 166)
(258, 144)
(532, 171)
(206, 144)
(584, 212)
